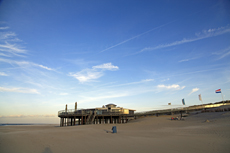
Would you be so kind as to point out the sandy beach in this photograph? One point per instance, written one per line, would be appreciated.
(202, 132)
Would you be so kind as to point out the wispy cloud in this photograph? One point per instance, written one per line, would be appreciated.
(64, 94)
(44, 67)
(19, 90)
(3, 28)
(7, 47)
(87, 75)
(188, 59)
(193, 72)
(165, 80)
(147, 80)
(28, 80)
(173, 86)
(7, 36)
(6, 55)
(24, 63)
(199, 36)
(193, 90)
(96, 72)
(9, 43)
(3, 74)
(223, 53)
(106, 66)
(132, 83)
(135, 37)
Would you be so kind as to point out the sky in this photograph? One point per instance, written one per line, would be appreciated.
(140, 55)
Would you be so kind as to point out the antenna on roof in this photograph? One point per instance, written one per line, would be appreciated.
(75, 106)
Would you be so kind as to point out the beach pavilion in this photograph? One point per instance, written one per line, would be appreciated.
(108, 114)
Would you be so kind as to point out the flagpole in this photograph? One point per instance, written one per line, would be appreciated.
(222, 97)
(171, 107)
(186, 109)
(202, 104)
(183, 102)
(201, 100)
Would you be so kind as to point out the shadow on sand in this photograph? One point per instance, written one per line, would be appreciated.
(47, 150)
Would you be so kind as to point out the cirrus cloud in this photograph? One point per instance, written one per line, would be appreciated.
(19, 90)
(63, 94)
(86, 75)
(96, 72)
(106, 66)
(3, 74)
(173, 86)
(3, 28)
(24, 64)
(199, 36)
(193, 90)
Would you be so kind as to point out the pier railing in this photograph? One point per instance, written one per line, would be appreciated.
(86, 112)
(183, 109)
(73, 111)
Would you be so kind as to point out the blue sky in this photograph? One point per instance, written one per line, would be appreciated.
(136, 54)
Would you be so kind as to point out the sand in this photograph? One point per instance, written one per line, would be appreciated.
(203, 132)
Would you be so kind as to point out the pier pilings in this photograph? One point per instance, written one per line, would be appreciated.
(73, 120)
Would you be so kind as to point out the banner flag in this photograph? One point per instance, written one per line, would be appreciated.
(183, 102)
(200, 97)
(218, 91)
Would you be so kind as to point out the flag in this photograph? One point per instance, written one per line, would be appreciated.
(200, 97)
(183, 102)
(218, 91)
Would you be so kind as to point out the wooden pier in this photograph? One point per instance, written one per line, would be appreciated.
(105, 115)
(110, 114)
(83, 119)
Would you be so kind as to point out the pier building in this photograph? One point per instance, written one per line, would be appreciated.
(108, 114)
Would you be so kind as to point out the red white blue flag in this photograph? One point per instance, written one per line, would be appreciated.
(218, 91)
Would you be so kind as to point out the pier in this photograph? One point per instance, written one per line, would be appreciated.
(109, 114)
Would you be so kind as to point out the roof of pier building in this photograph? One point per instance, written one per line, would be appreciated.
(110, 105)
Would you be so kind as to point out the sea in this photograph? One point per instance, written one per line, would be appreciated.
(16, 124)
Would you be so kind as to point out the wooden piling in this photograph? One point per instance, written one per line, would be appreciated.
(82, 119)
(60, 121)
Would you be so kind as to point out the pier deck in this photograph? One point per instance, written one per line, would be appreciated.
(71, 118)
